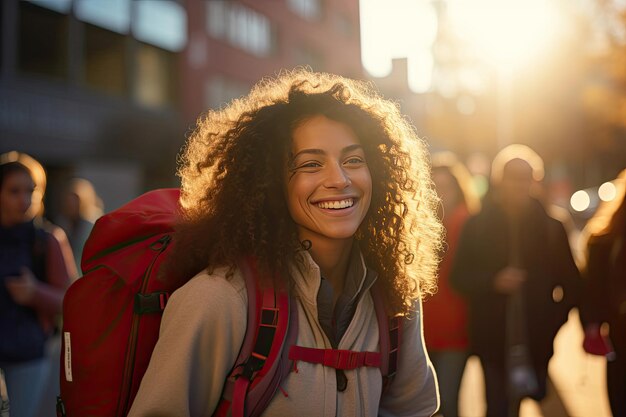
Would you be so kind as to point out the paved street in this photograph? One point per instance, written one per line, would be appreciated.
(578, 384)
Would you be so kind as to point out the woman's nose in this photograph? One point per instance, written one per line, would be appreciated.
(337, 177)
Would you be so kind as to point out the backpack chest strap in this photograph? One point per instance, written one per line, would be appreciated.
(335, 358)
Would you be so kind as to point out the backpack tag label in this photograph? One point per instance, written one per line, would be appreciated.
(68, 356)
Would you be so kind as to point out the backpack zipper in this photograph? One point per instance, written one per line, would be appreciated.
(159, 245)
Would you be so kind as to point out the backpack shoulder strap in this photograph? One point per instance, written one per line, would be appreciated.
(264, 361)
(390, 334)
(261, 364)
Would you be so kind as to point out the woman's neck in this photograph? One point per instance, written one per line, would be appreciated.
(333, 257)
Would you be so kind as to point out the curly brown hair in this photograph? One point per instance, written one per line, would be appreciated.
(233, 173)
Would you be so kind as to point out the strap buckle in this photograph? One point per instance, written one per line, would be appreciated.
(150, 303)
(343, 359)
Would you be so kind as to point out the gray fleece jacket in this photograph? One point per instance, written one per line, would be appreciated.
(206, 319)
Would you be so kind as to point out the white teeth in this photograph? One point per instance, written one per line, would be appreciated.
(339, 204)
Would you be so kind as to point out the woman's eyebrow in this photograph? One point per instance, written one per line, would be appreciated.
(345, 150)
(309, 151)
(351, 148)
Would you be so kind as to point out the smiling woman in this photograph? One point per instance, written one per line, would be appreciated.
(240, 162)
(317, 179)
(329, 190)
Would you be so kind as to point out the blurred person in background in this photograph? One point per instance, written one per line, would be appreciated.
(445, 313)
(36, 211)
(515, 266)
(80, 208)
(34, 274)
(604, 300)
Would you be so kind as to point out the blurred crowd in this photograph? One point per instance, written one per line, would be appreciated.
(507, 280)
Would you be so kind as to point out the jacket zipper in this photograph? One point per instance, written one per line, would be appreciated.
(159, 246)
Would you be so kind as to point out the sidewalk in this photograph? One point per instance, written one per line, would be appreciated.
(578, 382)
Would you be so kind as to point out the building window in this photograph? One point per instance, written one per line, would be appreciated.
(105, 60)
(61, 6)
(43, 41)
(240, 26)
(161, 23)
(111, 14)
(155, 77)
(309, 9)
(219, 91)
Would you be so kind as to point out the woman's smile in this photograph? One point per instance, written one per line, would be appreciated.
(344, 203)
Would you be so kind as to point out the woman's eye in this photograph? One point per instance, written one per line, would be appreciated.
(311, 164)
(355, 160)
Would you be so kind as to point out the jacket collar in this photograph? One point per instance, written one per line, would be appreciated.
(307, 277)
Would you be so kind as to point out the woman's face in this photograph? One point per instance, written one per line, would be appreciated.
(15, 198)
(329, 187)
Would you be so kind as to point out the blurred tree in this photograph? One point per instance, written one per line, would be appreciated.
(603, 96)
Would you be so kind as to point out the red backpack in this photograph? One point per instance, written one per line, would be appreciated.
(113, 313)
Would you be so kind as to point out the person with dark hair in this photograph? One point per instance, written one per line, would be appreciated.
(604, 301)
(34, 277)
(445, 313)
(327, 187)
(515, 266)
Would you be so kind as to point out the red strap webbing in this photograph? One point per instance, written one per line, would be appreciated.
(259, 356)
(222, 408)
(335, 358)
(390, 337)
(239, 396)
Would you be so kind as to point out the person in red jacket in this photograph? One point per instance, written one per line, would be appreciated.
(445, 315)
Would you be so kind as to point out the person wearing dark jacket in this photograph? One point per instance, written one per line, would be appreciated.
(515, 267)
(34, 274)
(605, 291)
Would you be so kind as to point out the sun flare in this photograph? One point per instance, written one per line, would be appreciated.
(505, 33)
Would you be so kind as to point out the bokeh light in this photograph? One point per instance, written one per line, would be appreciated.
(580, 200)
(607, 191)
